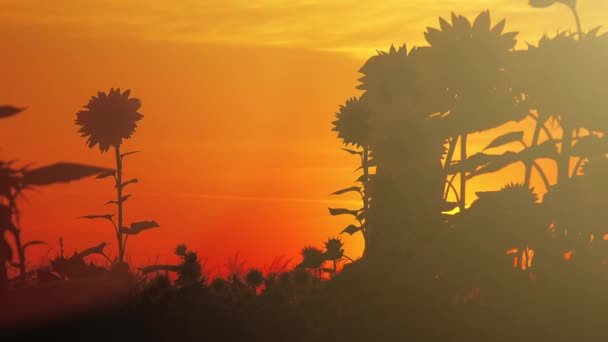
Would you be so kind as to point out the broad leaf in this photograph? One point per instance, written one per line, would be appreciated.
(351, 229)
(590, 145)
(6, 111)
(471, 163)
(343, 191)
(93, 250)
(342, 211)
(497, 164)
(106, 174)
(60, 173)
(505, 139)
(545, 150)
(138, 227)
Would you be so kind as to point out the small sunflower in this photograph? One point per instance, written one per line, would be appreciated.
(333, 249)
(109, 118)
(352, 123)
(312, 257)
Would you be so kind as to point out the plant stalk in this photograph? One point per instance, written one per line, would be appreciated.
(463, 180)
(119, 233)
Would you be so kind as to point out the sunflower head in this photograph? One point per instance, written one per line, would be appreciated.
(109, 118)
(333, 249)
(312, 257)
(352, 123)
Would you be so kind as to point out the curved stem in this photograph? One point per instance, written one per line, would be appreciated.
(577, 166)
(364, 159)
(451, 186)
(577, 19)
(563, 163)
(448, 161)
(119, 200)
(542, 175)
(535, 137)
(463, 180)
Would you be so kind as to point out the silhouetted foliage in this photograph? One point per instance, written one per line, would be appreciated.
(107, 120)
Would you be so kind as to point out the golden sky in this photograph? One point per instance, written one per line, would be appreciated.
(238, 99)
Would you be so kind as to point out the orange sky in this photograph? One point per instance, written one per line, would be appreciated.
(238, 100)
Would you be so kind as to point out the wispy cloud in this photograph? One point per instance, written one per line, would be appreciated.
(342, 25)
(266, 199)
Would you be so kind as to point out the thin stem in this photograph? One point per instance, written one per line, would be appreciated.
(364, 159)
(463, 180)
(577, 166)
(542, 175)
(119, 200)
(14, 229)
(578, 21)
(448, 160)
(451, 186)
(563, 166)
(535, 137)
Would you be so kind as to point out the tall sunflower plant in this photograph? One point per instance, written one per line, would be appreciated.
(106, 121)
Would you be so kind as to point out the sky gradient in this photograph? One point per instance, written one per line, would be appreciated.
(238, 99)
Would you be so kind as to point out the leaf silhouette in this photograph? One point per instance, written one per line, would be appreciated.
(156, 268)
(129, 153)
(60, 173)
(93, 217)
(106, 174)
(497, 164)
(343, 191)
(472, 163)
(32, 243)
(590, 145)
(351, 151)
(547, 3)
(351, 229)
(482, 23)
(93, 250)
(6, 111)
(123, 199)
(505, 139)
(138, 227)
(342, 211)
(130, 181)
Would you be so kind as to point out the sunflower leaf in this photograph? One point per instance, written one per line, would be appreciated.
(6, 111)
(93, 250)
(352, 151)
(351, 229)
(106, 174)
(60, 173)
(92, 217)
(32, 243)
(342, 211)
(343, 191)
(505, 139)
(138, 227)
(129, 153)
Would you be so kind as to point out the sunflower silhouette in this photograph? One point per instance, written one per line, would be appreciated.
(109, 118)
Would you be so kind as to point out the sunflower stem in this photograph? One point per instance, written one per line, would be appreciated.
(463, 180)
(119, 200)
(535, 137)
